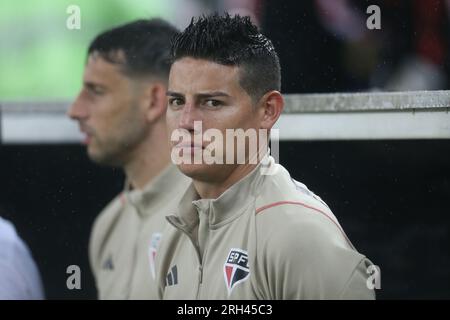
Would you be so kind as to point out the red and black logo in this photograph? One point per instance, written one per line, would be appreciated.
(236, 268)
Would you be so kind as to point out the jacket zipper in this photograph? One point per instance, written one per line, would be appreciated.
(197, 250)
(201, 269)
(134, 259)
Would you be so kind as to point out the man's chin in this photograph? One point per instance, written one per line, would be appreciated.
(192, 170)
(102, 158)
(96, 158)
(203, 172)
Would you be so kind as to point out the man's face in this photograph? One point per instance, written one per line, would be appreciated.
(205, 91)
(109, 113)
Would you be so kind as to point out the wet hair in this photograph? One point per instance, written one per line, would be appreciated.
(142, 47)
(232, 41)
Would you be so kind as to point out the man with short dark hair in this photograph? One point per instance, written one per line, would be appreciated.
(243, 229)
(121, 110)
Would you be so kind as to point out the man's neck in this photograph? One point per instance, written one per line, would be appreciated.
(213, 190)
(149, 160)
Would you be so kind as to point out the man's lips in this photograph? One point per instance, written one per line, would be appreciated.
(191, 146)
(87, 139)
(88, 135)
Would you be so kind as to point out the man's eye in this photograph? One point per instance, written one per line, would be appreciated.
(175, 102)
(96, 91)
(213, 103)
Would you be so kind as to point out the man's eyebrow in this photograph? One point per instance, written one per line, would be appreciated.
(174, 94)
(200, 95)
(212, 94)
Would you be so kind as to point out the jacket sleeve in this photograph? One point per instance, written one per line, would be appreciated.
(310, 259)
(359, 286)
(19, 274)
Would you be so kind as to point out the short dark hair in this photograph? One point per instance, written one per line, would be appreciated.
(232, 41)
(144, 43)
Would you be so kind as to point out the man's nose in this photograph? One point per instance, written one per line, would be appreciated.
(77, 109)
(189, 115)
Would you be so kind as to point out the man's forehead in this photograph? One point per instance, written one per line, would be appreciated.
(189, 74)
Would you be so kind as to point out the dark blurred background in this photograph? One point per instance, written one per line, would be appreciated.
(325, 46)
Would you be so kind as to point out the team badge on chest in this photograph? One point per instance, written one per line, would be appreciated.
(236, 268)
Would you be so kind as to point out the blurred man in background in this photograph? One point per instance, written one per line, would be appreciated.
(121, 110)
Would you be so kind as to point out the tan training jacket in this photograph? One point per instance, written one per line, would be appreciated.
(125, 236)
(266, 237)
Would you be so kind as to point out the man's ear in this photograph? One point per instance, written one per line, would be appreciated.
(271, 104)
(156, 101)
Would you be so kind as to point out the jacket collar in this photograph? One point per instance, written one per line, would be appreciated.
(227, 207)
(158, 190)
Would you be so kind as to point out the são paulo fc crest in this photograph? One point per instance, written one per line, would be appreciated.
(236, 268)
